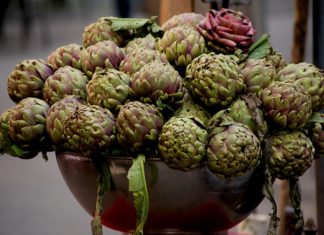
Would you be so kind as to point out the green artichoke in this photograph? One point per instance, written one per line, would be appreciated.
(27, 79)
(138, 126)
(227, 30)
(181, 45)
(276, 59)
(318, 139)
(157, 81)
(232, 149)
(101, 31)
(89, 130)
(139, 57)
(214, 79)
(188, 18)
(58, 113)
(65, 81)
(27, 124)
(248, 111)
(70, 54)
(147, 42)
(182, 143)
(289, 154)
(310, 77)
(109, 89)
(258, 74)
(286, 104)
(104, 54)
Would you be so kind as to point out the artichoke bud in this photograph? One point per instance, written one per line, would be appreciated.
(182, 143)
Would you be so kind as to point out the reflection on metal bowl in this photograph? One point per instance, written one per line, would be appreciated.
(192, 202)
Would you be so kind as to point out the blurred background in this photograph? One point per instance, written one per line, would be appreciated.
(34, 199)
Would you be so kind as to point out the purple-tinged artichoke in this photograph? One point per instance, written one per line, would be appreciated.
(214, 79)
(182, 143)
(139, 57)
(89, 130)
(289, 154)
(147, 42)
(27, 79)
(276, 59)
(181, 45)
(101, 31)
(70, 54)
(157, 81)
(310, 77)
(227, 30)
(286, 104)
(258, 74)
(108, 88)
(188, 18)
(65, 81)
(232, 149)
(58, 113)
(104, 54)
(27, 124)
(138, 126)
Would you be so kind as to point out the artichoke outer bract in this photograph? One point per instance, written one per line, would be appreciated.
(232, 149)
(214, 79)
(286, 104)
(108, 88)
(27, 79)
(182, 143)
(89, 130)
(289, 154)
(187, 18)
(138, 126)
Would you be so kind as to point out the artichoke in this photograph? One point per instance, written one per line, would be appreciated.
(258, 74)
(188, 18)
(227, 30)
(147, 42)
(276, 59)
(104, 54)
(286, 104)
(139, 57)
(109, 89)
(248, 111)
(27, 79)
(310, 77)
(138, 126)
(318, 139)
(181, 45)
(214, 79)
(232, 149)
(101, 31)
(58, 113)
(157, 81)
(89, 130)
(182, 143)
(70, 54)
(289, 154)
(27, 124)
(65, 81)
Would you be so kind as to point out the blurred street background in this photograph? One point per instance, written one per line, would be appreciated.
(34, 199)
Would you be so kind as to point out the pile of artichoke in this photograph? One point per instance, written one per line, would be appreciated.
(197, 90)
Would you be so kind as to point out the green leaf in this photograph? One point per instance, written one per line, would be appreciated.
(317, 117)
(137, 185)
(261, 48)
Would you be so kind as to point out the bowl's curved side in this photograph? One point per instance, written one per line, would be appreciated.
(193, 202)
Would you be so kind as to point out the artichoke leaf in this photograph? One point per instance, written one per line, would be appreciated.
(261, 48)
(137, 185)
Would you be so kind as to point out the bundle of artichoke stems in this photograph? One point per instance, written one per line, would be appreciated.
(197, 90)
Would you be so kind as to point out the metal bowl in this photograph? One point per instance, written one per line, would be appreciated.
(192, 202)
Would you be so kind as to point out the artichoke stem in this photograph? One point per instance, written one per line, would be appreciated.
(295, 198)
